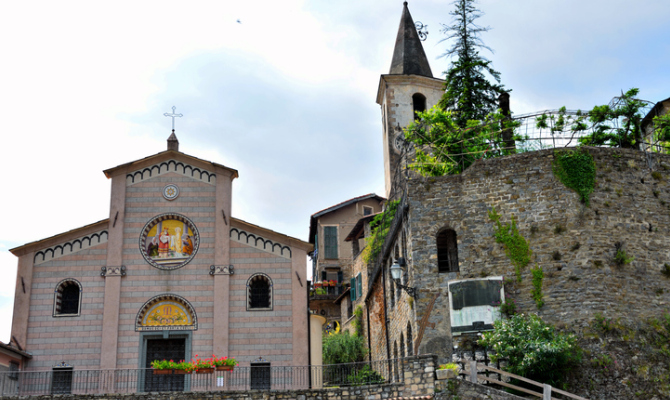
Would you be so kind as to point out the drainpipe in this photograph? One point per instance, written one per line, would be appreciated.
(386, 320)
(367, 312)
(309, 338)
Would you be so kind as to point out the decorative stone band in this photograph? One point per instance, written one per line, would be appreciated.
(260, 243)
(170, 166)
(113, 271)
(221, 270)
(73, 246)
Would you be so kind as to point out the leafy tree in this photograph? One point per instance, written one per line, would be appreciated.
(617, 125)
(342, 348)
(467, 90)
(443, 147)
(533, 349)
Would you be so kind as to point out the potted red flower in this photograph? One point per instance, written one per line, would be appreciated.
(224, 363)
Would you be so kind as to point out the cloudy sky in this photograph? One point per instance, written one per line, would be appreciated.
(286, 95)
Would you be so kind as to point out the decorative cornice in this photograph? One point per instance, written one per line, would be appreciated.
(70, 247)
(260, 243)
(170, 166)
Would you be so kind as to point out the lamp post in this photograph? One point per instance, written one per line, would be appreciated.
(396, 271)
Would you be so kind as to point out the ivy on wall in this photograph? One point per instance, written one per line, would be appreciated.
(536, 292)
(576, 169)
(516, 246)
(380, 226)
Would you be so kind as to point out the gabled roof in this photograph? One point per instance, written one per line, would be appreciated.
(17, 251)
(288, 239)
(356, 231)
(163, 154)
(315, 216)
(408, 55)
(9, 347)
(654, 112)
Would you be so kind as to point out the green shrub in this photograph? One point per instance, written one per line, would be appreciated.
(665, 270)
(533, 349)
(365, 376)
(451, 366)
(621, 258)
(604, 324)
(507, 307)
(341, 348)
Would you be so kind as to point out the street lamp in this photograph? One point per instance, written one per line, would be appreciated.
(396, 272)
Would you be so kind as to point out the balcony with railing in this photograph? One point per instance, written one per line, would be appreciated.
(326, 290)
(98, 381)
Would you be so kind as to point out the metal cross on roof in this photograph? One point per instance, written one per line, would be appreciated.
(173, 115)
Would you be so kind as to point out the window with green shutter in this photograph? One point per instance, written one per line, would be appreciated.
(330, 241)
(359, 285)
(352, 290)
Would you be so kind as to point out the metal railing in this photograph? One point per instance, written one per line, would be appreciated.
(472, 371)
(103, 381)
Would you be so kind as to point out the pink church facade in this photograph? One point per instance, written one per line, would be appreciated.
(170, 274)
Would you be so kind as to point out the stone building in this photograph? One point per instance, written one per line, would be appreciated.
(454, 273)
(170, 274)
(332, 255)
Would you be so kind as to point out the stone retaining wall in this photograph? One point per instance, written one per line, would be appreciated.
(464, 390)
(572, 243)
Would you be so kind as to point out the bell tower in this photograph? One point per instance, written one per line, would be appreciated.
(407, 88)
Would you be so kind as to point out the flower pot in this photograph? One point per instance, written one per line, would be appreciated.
(180, 372)
(445, 374)
(224, 368)
(204, 371)
(162, 371)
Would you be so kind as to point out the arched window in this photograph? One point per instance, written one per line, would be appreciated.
(447, 251)
(67, 298)
(259, 292)
(419, 102)
(410, 341)
(402, 346)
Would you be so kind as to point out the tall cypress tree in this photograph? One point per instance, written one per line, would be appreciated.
(467, 89)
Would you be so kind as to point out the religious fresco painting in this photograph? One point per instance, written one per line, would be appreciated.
(169, 241)
(166, 315)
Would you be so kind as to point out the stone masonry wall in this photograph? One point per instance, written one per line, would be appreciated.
(629, 205)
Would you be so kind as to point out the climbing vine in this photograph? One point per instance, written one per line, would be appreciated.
(380, 226)
(576, 170)
(357, 322)
(536, 292)
(516, 246)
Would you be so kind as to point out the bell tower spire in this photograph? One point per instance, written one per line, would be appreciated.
(408, 88)
(408, 55)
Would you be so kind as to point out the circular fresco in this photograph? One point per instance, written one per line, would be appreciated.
(169, 241)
